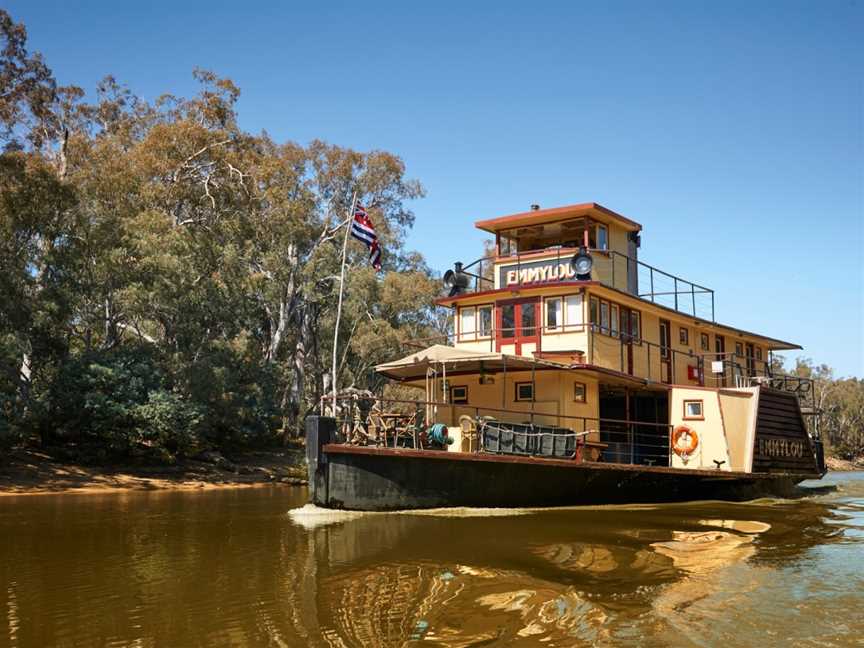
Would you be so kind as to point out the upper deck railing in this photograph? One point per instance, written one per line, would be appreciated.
(611, 268)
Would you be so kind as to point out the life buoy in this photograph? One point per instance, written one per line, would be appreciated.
(684, 441)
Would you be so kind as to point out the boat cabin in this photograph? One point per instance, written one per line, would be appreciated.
(564, 327)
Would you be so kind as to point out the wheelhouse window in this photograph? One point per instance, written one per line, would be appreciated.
(466, 323)
(615, 319)
(554, 320)
(602, 237)
(693, 410)
(524, 391)
(459, 394)
(508, 321)
(507, 246)
(684, 335)
(705, 342)
(484, 321)
(593, 310)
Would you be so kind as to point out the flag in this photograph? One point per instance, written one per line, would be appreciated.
(363, 230)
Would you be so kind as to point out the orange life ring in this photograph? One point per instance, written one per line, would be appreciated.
(692, 440)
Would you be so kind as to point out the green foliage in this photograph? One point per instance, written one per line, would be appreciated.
(120, 402)
(841, 403)
(167, 279)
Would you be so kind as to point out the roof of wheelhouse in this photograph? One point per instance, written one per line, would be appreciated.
(556, 214)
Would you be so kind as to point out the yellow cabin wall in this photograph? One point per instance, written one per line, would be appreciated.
(710, 430)
(554, 400)
(604, 351)
(607, 353)
(739, 417)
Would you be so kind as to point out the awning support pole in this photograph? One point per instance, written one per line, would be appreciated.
(504, 383)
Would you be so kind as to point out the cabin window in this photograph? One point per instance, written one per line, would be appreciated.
(593, 308)
(553, 314)
(524, 391)
(602, 237)
(580, 392)
(507, 247)
(574, 310)
(684, 336)
(635, 326)
(459, 394)
(758, 353)
(466, 323)
(508, 321)
(693, 410)
(739, 349)
(604, 317)
(705, 342)
(529, 319)
(614, 320)
(664, 340)
(484, 321)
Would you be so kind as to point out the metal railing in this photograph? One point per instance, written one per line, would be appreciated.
(398, 423)
(662, 287)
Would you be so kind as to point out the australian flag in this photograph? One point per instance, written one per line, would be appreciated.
(363, 230)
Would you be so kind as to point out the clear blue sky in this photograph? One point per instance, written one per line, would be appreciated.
(731, 131)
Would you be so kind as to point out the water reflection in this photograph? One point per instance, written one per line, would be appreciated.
(233, 568)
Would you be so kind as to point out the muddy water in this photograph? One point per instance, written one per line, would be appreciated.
(255, 568)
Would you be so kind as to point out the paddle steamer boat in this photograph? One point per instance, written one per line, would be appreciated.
(577, 374)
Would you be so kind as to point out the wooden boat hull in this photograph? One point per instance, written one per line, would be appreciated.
(381, 479)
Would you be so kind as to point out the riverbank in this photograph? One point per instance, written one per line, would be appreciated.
(32, 472)
(835, 464)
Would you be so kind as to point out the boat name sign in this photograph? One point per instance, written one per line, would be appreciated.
(780, 448)
(536, 272)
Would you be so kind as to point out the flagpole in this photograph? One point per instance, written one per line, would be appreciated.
(341, 290)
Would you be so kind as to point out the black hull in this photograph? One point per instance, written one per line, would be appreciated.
(382, 479)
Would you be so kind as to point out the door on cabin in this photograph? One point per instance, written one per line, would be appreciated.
(665, 351)
(720, 350)
(751, 359)
(518, 329)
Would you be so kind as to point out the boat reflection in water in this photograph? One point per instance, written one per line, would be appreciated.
(246, 568)
(679, 574)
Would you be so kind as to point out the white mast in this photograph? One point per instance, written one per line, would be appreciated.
(341, 289)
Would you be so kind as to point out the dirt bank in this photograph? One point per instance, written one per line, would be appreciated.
(843, 465)
(30, 472)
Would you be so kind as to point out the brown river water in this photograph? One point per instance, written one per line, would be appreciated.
(254, 567)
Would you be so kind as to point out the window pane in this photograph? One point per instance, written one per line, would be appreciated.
(466, 323)
(625, 324)
(508, 321)
(634, 325)
(592, 307)
(529, 319)
(692, 409)
(574, 310)
(604, 317)
(614, 320)
(524, 391)
(553, 313)
(602, 237)
(485, 323)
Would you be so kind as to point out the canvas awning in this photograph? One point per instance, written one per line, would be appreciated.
(414, 366)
